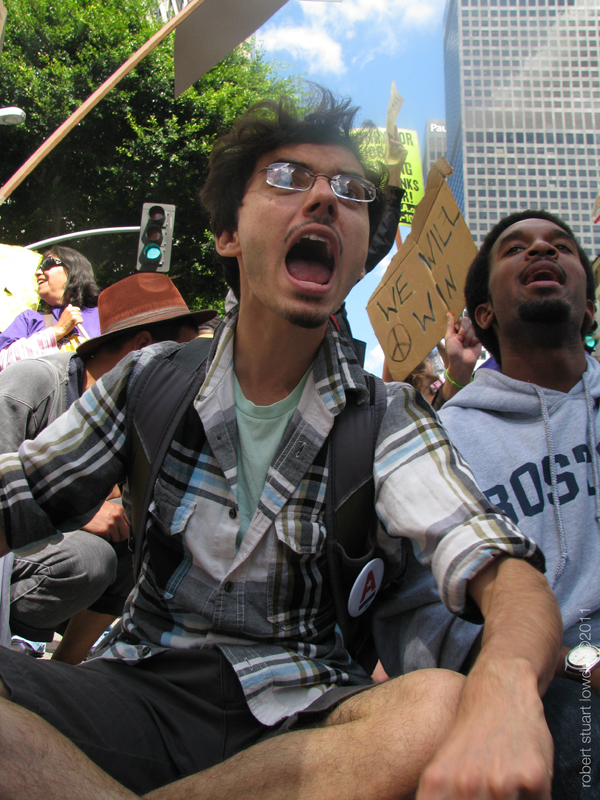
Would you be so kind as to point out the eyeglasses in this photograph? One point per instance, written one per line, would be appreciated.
(49, 262)
(284, 175)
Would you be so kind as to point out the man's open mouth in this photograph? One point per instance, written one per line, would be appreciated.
(311, 260)
(543, 271)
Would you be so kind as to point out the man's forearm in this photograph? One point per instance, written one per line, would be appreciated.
(500, 746)
(522, 617)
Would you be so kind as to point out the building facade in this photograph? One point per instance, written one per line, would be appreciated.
(434, 143)
(523, 110)
(168, 8)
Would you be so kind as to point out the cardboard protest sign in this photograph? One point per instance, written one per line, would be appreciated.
(214, 30)
(425, 279)
(395, 152)
(18, 287)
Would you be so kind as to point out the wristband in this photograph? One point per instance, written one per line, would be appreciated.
(455, 383)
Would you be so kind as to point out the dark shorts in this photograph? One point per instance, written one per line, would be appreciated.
(150, 723)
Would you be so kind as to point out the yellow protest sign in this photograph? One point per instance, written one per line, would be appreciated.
(424, 280)
(400, 151)
(18, 287)
(411, 176)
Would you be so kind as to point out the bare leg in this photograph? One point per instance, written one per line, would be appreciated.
(83, 630)
(372, 747)
(38, 763)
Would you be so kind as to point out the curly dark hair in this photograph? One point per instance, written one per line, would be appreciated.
(81, 288)
(265, 127)
(478, 277)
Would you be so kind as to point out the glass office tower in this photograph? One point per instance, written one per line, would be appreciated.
(522, 110)
(435, 143)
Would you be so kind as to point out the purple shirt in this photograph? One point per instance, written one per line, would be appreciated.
(30, 322)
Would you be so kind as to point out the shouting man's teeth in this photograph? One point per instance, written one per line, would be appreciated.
(311, 260)
(543, 274)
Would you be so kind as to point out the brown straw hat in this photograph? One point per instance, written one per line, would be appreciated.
(139, 301)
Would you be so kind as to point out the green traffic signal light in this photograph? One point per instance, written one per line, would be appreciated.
(152, 253)
(156, 236)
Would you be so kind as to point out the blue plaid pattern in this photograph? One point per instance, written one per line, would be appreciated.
(267, 604)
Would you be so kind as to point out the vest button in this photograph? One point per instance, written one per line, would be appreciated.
(232, 513)
(228, 586)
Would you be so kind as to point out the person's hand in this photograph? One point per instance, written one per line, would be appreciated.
(109, 522)
(463, 348)
(70, 317)
(500, 747)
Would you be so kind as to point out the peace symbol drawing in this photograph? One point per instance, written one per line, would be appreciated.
(399, 344)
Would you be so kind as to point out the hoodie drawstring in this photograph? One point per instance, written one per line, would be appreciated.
(589, 403)
(556, 502)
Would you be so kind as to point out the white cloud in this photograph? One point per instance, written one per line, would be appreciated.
(374, 360)
(305, 44)
(361, 16)
(329, 36)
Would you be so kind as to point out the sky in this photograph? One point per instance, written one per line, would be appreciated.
(357, 48)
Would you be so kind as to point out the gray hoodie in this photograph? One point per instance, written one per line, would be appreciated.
(510, 433)
(530, 449)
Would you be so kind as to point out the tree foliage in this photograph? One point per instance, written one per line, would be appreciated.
(138, 145)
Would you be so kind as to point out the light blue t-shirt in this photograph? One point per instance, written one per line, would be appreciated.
(259, 430)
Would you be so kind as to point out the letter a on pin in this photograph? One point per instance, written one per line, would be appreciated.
(365, 587)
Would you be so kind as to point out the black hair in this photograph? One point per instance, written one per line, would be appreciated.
(211, 324)
(478, 277)
(268, 126)
(81, 288)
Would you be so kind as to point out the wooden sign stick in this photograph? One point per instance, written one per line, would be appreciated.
(60, 133)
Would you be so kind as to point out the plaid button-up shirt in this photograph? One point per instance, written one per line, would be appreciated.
(265, 602)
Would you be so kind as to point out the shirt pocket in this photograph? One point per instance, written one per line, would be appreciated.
(170, 513)
(296, 577)
(169, 559)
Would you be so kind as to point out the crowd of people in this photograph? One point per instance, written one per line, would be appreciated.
(233, 466)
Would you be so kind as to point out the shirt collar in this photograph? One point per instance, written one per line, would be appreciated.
(336, 371)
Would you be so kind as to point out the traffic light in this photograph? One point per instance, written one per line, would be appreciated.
(156, 237)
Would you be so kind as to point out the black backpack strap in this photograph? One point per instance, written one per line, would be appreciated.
(350, 516)
(157, 405)
(155, 408)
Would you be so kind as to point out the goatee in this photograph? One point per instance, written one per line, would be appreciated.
(547, 311)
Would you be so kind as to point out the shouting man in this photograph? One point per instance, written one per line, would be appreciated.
(231, 667)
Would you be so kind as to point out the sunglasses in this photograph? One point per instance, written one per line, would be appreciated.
(49, 262)
(284, 175)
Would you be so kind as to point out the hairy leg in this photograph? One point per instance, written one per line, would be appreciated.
(39, 763)
(374, 746)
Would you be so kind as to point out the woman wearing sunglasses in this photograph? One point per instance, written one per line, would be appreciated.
(67, 316)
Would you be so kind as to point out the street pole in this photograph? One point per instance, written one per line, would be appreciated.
(76, 117)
